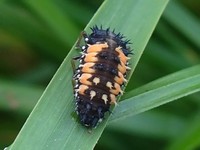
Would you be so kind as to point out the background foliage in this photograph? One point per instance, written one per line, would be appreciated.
(32, 47)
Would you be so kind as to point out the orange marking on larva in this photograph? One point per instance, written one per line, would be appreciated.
(82, 88)
(122, 68)
(120, 78)
(121, 55)
(91, 57)
(96, 47)
(87, 68)
(113, 99)
(84, 78)
(116, 90)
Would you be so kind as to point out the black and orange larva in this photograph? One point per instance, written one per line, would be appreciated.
(100, 74)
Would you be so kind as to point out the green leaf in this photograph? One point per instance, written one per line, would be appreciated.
(159, 92)
(52, 123)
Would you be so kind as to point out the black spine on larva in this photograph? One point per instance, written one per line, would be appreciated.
(100, 35)
(95, 102)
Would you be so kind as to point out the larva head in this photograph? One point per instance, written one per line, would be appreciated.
(100, 35)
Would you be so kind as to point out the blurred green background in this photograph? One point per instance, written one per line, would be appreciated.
(33, 45)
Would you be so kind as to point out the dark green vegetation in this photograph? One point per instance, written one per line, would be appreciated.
(35, 37)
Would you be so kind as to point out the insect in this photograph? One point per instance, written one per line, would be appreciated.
(100, 75)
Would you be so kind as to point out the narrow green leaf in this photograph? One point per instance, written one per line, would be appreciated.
(52, 124)
(178, 76)
(159, 92)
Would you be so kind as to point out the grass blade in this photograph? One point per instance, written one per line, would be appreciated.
(159, 92)
(51, 124)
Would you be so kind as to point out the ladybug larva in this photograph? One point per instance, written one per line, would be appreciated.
(100, 74)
